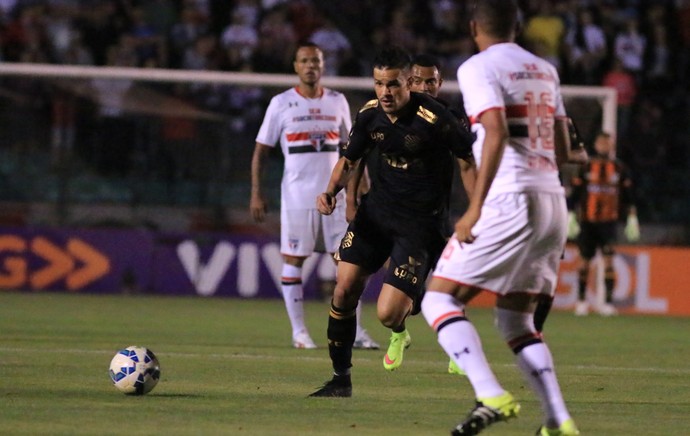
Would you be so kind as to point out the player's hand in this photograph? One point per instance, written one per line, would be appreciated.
(573, 226)
(257, 207)
(632, 229)
(325, 203)
(463, 227)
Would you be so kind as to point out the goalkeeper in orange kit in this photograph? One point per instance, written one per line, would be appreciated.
(602, 192)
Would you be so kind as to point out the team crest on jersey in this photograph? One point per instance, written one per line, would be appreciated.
(317, 139)
(427, 115)
(293, 244)
(347, 240)
(412, 142)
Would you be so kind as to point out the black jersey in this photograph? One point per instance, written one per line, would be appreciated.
(414, 157)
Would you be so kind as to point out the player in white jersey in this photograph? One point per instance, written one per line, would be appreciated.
(310, 122)
(511, 238)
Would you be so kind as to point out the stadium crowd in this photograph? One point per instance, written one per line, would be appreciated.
(642, 48)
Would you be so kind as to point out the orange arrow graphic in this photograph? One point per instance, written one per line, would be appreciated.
(96, 265)
(60, 263)
(13, 268)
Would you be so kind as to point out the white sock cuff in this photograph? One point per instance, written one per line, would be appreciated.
(437, 307)
(291, 272)
(515, 327)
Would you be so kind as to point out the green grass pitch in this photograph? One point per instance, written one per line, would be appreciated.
(228, 368)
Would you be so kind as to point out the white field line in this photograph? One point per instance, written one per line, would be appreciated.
(304, 357)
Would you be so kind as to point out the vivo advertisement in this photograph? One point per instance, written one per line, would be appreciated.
(649, 279)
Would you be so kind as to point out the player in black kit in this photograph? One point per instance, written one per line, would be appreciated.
(415, 141)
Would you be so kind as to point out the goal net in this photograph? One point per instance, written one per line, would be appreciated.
(81, 135)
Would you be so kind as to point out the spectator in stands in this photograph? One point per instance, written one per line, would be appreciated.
(586, 49)
(240, 38)
(629, 47)
(335, 45)
(185, 33)
(544, 32)
(626, 85)
(658, 59)
(277, 40)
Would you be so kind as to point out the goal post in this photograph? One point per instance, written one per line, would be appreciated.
(226, 150)
(607, 97)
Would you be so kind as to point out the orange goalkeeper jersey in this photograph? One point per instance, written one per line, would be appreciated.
(600, 189)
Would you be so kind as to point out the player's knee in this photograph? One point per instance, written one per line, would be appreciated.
(391, 316)
(347, 294)
(516, 328)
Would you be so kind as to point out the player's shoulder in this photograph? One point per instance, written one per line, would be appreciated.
(368, 106)
(332, 93)
(285, 97)
(429, 108)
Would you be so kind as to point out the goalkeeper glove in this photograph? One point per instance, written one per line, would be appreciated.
(632, 229)
(573, 226)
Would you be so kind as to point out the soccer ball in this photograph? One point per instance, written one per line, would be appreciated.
(135, 370)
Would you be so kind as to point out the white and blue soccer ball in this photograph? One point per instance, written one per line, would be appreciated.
(135, 370)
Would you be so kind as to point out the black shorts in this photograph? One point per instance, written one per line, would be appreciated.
(596, 235)
(414, 245)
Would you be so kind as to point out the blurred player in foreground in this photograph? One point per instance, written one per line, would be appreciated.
(511, 238)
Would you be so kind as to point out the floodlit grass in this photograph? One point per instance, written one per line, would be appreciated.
(228, 368)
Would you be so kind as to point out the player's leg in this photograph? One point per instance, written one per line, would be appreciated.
(537, 274)
(608, 309)
(334, 227)
(342, 329)
(392, 308)
(293, 296)
(362, 250)
(457, 336)
(587, 247)
(514, 319)
(404, 284)
(544, 303)
(297, 241)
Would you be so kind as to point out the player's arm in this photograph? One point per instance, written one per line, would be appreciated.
(257, 203)
(340, 176)
(496, 136)
(357, 186)
(568, 143)
(352, 153)
(461, 140)
(468, 174)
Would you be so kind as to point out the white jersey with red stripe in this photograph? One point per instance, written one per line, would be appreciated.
(508, 77)
(309, 131)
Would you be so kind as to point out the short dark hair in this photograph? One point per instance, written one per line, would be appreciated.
(499, 18)
(393, 57)
(303, 44)
(426, 60)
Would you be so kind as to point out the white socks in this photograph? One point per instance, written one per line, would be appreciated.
(460, 340)
(536, 364)
(293, 294)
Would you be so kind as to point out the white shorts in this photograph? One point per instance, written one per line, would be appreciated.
(520, 238)
(305, 231)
